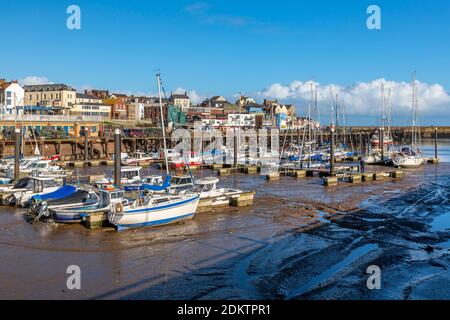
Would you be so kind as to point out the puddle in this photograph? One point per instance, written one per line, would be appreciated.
(314, 282)
(441, 223)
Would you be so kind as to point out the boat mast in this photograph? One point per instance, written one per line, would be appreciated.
(414, 102)
(158, 79)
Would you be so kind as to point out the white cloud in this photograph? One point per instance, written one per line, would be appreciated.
(34, 80)
(364, 98)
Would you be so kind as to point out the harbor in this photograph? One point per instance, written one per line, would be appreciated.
(181, 211)
(299, 240)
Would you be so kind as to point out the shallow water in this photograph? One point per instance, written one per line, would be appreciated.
(298, 235)
(443, 149)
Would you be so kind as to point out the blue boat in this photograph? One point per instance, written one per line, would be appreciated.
(79, 200)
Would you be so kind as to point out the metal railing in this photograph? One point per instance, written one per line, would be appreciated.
(47, 118)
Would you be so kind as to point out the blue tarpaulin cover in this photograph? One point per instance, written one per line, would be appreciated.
(163, 187)
(62, 192)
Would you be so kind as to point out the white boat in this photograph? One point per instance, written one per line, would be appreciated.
(408, 158)
(32, 186)
(43, 167)
(137, 158)
(411, 156)
(180, 183)
(130, 178)
(207, 188)
(105, 201)
(154, 211)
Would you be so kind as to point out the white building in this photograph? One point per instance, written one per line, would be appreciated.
(11, 96)
(88, 105)
(139, 110)
(241, 120)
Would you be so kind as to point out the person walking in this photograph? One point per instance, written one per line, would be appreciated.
(361, 165)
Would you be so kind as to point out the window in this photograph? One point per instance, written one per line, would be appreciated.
(8, 94)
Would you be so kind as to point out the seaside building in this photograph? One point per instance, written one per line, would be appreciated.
(215, 102)
(11, 96)
(180, 100)
(89, 105)
(119, 110)
(60, 97)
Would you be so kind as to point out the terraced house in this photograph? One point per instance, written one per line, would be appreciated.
(60, 97)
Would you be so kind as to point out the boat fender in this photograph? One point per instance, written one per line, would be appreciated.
(119, 207)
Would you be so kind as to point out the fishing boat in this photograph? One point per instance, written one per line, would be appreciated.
(179, 163)
(154, 211)
(30, 187)
(130, 179)
(207, 188)
(108, 199)
(67, 209)
(62, 192)
(137, 158)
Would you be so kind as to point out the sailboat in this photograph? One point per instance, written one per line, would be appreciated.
(379, 150)
(411, 156)
(155, 210)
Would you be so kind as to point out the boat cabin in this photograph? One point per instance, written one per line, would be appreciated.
(130, 173)
(38, 184)
(181, 182)
(206, 184)
(108, 197)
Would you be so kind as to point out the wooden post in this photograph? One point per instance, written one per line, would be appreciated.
(332, 173)
(117, 152)
(16, 154)
(435, 142)
(86, 144)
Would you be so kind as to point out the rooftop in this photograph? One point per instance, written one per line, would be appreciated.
(47, 87)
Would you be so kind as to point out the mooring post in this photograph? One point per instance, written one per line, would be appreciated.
(117, 152)
(332, 151)
(16, 154)
(235, 149)
(435, 142)
(360, 144)
(86, 144)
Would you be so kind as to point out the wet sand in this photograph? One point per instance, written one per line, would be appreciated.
(299, 241)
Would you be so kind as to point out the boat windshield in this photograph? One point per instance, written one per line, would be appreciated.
(129, 174)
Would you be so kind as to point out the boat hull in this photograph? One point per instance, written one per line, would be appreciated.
(155, 216)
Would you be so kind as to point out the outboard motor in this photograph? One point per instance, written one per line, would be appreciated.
(11, 200)
(41, 210)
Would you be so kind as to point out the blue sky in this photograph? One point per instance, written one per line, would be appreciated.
(225, 47)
